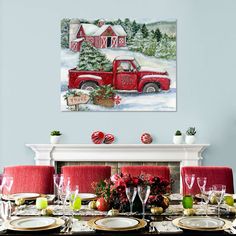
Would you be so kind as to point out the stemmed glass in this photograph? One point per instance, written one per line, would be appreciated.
(219, 192)
(189, 180)
(64, 194)
(131, 193)
(58, 180)
(74, 199)
(1, 185)
(7, 183)
(143, 192)
(188, 199)
(206, 195)
(201, 182)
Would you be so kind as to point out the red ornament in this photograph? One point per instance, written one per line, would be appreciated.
(109, 138)
(102, 204)
(146, 138)
(98, 137)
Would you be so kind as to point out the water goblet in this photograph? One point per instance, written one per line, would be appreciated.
(5, 210)
(58, 182)
(207, 195)
(189, 180)
(64, 196)
(131, 193)
(75, 200)
(201, 182)
(219, 192)
(7, 183)
(143, 192)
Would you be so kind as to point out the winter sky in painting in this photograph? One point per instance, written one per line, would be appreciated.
(118, 65)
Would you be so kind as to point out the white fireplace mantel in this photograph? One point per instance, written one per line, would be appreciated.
(187, 155)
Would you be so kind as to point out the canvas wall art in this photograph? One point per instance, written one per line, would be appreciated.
(118, 65)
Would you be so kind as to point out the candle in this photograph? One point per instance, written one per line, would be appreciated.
(41, 203)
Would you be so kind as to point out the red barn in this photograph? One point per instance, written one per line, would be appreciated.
(101, 36)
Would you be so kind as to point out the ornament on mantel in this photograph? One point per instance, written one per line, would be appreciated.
(146, 138)
(109, 138)
(98, 137)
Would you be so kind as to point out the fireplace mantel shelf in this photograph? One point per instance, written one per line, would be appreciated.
(48, 154)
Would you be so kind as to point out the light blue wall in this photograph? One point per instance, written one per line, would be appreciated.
(30, 76)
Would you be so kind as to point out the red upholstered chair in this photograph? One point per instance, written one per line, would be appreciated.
(214, 174)
(161, 171)
(84, 176)
(31, 179)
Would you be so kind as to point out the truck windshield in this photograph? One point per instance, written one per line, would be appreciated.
(136, 64)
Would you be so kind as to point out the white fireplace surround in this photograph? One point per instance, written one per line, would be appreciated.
(187, 155)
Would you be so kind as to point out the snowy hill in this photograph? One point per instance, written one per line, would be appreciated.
(166, 27)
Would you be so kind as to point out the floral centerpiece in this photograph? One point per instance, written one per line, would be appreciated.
(113, 191)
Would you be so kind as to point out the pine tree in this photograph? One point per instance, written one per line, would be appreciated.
(157, 34)
(134, 27)
(137, 42)
(150, 45)
(92, 59)
(128, 28)
(65, 26)
(166, 48)
(144, 30)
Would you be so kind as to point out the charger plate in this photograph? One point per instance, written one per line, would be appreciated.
(58, 223)
(109, 223)
(179, 223)
(87, 196)
(26, 196)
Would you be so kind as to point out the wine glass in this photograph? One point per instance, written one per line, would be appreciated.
(201, 182)
(207, 195)
(7, 183)
(58, 182)
(189, 180)
(64, 196)
(131, 193)
(143, 192)
(1, 185)
(219, 192)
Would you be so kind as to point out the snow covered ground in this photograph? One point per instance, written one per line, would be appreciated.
(164, 101)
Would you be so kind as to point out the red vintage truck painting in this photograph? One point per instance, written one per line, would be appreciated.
(126, 75)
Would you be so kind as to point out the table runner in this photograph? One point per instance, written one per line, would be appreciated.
(173, 210)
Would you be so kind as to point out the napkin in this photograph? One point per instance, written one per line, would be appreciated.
(166, 227)
(81, 226)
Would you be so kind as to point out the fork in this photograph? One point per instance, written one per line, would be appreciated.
(63, 230)
(70, 224)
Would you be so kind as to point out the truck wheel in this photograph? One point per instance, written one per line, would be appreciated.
(88, 86)
(151, 88)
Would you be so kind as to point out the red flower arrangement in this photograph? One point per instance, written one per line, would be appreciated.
(113, 190)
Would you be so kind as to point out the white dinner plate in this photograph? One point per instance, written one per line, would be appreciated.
(59, 222)
(117, 222)
(32, 222)
(201, 222)
(87, 196)
(27, 196)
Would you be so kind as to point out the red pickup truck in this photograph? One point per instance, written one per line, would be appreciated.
(127, 75)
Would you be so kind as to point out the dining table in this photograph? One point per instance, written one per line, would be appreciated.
(153, 222)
